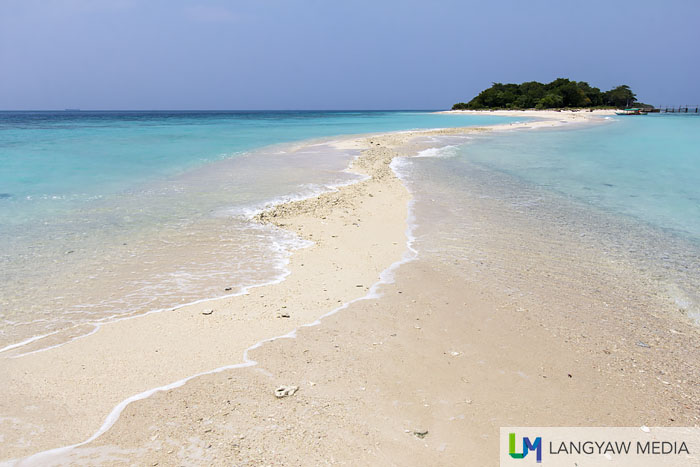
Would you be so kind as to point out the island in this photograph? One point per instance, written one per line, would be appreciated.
(560, 93)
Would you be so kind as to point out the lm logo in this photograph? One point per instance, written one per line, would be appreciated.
(527, 447)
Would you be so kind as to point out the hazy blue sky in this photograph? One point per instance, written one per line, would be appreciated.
(335, 54)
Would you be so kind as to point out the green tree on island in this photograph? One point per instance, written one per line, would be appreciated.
(621, 96)
(559, 93)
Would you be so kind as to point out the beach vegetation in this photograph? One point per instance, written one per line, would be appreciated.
(560, 93)
(621, 96)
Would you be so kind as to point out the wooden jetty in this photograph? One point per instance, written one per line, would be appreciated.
(679, 109)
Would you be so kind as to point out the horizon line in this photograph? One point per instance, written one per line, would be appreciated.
(217, 110)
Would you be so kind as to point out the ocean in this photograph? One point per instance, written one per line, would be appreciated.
(104, 215)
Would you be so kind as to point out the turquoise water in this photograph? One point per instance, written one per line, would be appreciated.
(645, 167)
(104, 214)
(626, 190)
(53, 160)
(110, 213)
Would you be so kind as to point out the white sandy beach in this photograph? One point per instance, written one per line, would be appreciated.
(369, 376)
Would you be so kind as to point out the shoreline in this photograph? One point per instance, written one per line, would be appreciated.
(444, 354)
(298, 215)
(245, 319)
(546, 119)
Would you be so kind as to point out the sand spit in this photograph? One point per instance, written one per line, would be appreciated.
(62, 396)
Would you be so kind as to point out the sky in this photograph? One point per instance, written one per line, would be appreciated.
(335, 54)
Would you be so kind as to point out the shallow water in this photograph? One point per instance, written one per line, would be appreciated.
(646, 167)
(104, 214)
(622, 194)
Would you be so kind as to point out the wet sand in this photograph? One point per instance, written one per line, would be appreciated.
(438, 352)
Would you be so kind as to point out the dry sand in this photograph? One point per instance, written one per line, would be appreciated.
(437, 353)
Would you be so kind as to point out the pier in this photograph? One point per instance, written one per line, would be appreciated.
(678, 109)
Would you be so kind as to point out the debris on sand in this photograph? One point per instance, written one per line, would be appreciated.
(284, 391)
(420, 433)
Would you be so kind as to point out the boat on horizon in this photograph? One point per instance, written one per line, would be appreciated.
(632, 111)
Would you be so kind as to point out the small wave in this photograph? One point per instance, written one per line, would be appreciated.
(441, 152)
(281, 249)
(306, 191)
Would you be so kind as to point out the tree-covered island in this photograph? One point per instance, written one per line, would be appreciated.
(560, 93)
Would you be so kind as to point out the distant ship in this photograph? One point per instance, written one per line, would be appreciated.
(71, 110)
